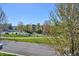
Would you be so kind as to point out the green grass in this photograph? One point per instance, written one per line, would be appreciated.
(40, 40)
(14, 35)
(6, 54)
(31, 39)
(11, 35)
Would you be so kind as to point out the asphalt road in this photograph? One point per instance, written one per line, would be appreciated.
(27, 49)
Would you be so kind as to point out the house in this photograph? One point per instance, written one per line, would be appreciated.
(15, 32)
(8, 29)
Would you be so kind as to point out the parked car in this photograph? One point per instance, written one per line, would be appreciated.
(1, 45)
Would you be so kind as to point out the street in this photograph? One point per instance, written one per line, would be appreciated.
(27, 49)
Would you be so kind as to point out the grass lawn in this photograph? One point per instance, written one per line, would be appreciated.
(6, 54)
(43, 40)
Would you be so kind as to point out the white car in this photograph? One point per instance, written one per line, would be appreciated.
(1, 45)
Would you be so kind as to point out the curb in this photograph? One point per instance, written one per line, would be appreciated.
(11, 53)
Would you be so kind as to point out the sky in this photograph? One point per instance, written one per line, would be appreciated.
(28, 13)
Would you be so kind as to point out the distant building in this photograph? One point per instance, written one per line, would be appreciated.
(33, 28)
(14, 27)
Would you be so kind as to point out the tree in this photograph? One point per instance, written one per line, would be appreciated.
(2, 19)
(65, 24)
(38, 28)
(46, 27)
(29, 28)
(25, 28)
(20, 26)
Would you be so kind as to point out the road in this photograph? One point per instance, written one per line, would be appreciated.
(27, 49)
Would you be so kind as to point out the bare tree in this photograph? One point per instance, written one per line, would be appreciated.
(2, 19)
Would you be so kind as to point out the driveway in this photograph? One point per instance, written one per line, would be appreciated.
(27, 49)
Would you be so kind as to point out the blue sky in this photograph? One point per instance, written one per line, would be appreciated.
(28, 13)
